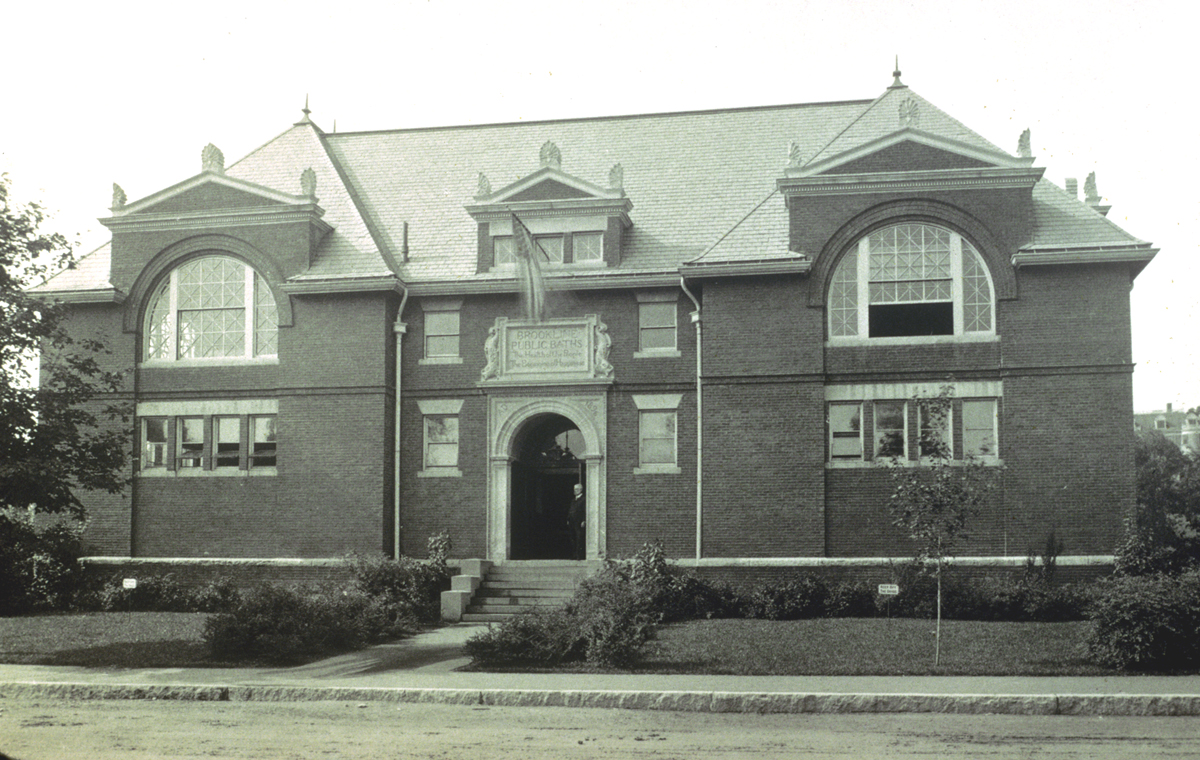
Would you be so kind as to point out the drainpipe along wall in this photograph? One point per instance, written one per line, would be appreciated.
(398, 329)
(699, 423)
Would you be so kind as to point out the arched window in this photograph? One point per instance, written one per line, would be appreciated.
(215, 307)
(910, 280)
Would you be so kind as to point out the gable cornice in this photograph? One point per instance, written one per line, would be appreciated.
(548, 173)
(925, 180)
(910, 135)
(206, 178)
(209, 220)
(493, 212)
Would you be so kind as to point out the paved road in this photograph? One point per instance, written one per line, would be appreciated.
(44, 729)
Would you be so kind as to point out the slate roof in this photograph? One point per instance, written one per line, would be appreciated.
(697, 182)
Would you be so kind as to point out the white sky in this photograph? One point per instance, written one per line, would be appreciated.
(129, 92)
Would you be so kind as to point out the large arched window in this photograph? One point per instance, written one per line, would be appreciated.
(910, 280)
(214, 307)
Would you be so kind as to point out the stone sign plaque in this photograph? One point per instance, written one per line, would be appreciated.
(524, 352)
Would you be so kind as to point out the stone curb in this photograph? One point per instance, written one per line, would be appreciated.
(682, 701)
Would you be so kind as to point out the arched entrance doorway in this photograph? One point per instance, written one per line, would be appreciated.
(545, 469)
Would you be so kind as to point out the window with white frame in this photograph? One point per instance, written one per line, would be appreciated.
(934, 426)
(587, 247)
(891, 429)
(440, 446)
(979, 428)
(442, 331)
(207, 438)
(551, 248)
(658, 433)
(502, 251)
(910, 280)
(213, 307)
(845, 432)
(657, 323)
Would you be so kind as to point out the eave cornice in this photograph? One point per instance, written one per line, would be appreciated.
(220, 219)
(502, 211)
(798, 265)
(1137, 254)
(927, 180)
(99, 295)
(371, 284)
(553, 283)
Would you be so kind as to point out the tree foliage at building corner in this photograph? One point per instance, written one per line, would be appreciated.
(58, 436)
(1162, 533)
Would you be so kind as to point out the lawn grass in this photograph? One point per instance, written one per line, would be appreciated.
(107, 640)
(876, 646)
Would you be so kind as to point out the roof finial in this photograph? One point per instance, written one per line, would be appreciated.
(896, 76)
(305, 111)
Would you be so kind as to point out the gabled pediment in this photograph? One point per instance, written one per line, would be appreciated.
(549, 184)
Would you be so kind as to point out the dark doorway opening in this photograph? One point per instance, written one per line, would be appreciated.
(544, 474)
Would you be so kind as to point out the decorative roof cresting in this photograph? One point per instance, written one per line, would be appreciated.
(308, 183)
(118, 201)
(910, 113)
(550, 155)
(212, 159)
(1024, 145)
(616, 177)
(485, 187)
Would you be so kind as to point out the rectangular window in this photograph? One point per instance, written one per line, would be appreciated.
(154, 443)
(441, 334)
(441, 442)
(656, 326)
(845, 431)
(263, 441)
(587, 246)
(502, 251)
(190, 448)
(228, 434)
(552, 246)
(979, 428)
(933, 433)
(656, 439)
(891, 430)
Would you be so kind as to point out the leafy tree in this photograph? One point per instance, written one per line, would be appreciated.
(1162, 534)
(53, 436)
(934, 502)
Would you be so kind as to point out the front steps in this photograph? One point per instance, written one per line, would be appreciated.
(507, 590)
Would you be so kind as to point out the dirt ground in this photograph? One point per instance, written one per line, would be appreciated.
(108, 730)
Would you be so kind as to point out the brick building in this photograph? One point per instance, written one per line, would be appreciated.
(330, 351)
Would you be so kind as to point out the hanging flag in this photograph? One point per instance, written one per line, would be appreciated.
(533, 286)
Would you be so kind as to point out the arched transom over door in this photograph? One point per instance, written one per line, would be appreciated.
(524, 485)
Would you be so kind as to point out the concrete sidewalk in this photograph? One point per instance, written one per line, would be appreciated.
(422, 669)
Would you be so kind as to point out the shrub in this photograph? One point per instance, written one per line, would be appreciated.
(162, 593)
(39, 568)
(1147, 622)
(411, 588)
(279, 625)
(546, 637)
(804, 596)
(850, 599)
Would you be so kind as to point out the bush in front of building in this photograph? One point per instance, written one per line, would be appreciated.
(39, 567)
(1147, 622)
(411, 588)
(160, 593)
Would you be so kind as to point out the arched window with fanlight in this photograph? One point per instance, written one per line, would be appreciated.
(212, 307)
(910, 280)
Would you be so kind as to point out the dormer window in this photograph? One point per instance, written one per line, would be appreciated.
(588, 247)
(554, 250)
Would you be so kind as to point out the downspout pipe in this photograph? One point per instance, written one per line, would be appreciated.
(398, 330)
(696, 320)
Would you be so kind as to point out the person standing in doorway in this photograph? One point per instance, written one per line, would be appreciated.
(577, 523)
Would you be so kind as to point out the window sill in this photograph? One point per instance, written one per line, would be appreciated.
(442, 472)
(217, 361)
(196, 472)
(657, 469)
(864, 464)
(914, 340)
(441, 360)
(658, 353)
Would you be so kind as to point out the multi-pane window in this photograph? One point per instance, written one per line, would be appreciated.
(656, 326)
(441, 334)
(845, 431)
(502, 251)
(587, 246)
(552, 248)
(979, 428)
(199, 444)
(891, 429)
(441, 442)
(656, 438)
(933, 429)
(910, 280)
(214, 307)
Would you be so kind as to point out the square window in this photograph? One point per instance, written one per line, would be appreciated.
(190, 451)
(656, 434)
(845, 431)
(154, 443)
(263, 450)
(587, 246)
(891, 428)
(552, 247)
(656, 323)
(441, 442)
(441, 334)
(979, 428)
(229, 441)
(502, 251)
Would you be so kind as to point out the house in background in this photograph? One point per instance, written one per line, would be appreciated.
(331, 354)
(1181, 428)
